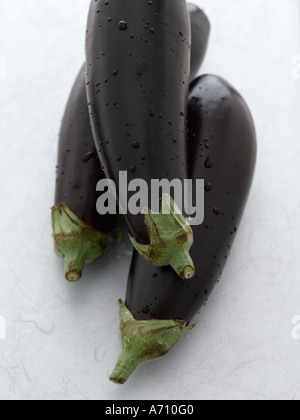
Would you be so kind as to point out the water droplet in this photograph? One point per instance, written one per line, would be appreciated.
(152, 30)
(208, 163)
(115, 73)
(208, 187)
(145, 310)
(216, 211)
(133, 169)
(43, 324)
(88, 156)
(136, 145)
(123, 25)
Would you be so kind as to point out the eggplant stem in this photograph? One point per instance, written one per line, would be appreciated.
(76, 242)
(143, 341)
(171, 238)
(125, 367)
(183, 265)
(74, 264)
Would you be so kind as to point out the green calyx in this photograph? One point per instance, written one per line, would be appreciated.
(76, 242)
(171, 238)
(143, 341)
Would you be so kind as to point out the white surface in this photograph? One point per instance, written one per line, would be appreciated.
(62, 340)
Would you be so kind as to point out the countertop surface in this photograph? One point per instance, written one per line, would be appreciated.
(61, 339)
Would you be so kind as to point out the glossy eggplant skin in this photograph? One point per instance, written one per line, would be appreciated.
(78, 170)
(200, 36)
(138, 66)
(77, 159)
(222, 150)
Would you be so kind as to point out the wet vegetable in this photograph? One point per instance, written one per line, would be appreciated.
(222, 149)
(138, 67)
(80, 233)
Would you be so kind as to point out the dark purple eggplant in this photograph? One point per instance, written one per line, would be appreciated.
(200, 35)
(138, 67)
(222, 150)
(76, 150)
(80, 233)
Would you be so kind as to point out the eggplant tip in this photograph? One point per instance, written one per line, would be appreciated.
(118, 381)
(73, 277)
(189, 273)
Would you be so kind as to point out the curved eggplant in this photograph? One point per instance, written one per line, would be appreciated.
(222, 150)
(200, 35)
(74, 153)
(138, 66)
(80, 233)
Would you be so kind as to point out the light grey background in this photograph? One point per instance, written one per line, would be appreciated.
(62, 340)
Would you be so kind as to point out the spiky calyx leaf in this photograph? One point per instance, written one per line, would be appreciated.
(143, 341)
(76, 242)
(171, 238)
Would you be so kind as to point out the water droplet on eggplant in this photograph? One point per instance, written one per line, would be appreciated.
(208, 187)
(123, 25)
(145, 310)
(208, 163)
(136, 145)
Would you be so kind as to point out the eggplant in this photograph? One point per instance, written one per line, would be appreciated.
(80, 233)
(222, 151)
(200, 26)
(77, 150)
(138, 67)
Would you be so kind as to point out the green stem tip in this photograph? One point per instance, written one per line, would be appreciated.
(143, 341)
(76, 242)
(171, 238)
